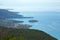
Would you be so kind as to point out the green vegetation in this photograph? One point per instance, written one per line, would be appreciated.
(23, 34)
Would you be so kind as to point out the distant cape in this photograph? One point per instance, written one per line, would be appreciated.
(5, 13)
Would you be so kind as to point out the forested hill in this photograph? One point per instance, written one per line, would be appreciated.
(23, 34)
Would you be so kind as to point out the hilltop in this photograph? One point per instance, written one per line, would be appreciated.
(23, 34)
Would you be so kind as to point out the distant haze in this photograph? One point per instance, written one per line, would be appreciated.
(31, 5)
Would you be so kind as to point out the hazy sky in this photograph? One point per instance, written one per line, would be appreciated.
(31, 5)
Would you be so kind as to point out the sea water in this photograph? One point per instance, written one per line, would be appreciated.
(48, 22)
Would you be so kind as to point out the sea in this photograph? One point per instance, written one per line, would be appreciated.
(48, 22)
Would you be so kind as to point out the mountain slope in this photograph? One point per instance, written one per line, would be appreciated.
(23, 34)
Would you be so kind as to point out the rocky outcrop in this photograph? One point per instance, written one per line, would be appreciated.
(33, 21)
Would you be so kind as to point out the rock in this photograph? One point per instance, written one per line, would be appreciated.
(32, 21)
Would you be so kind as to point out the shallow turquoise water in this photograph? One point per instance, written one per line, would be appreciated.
(48, 22)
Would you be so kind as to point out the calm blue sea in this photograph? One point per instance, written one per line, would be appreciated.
(48, 22)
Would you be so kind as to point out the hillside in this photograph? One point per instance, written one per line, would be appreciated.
(23, 34)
